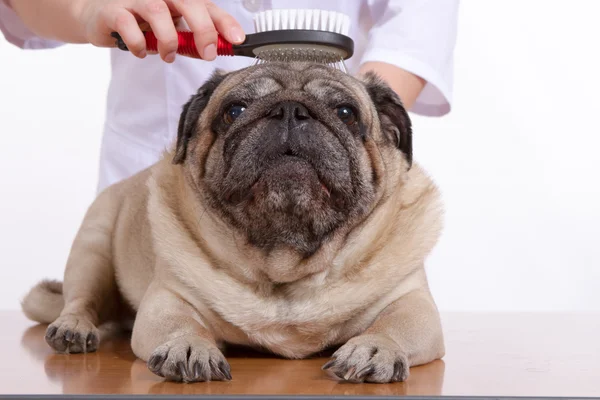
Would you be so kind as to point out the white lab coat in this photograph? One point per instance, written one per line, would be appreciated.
(146, 95)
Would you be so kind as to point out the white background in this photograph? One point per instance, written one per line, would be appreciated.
(517, 159)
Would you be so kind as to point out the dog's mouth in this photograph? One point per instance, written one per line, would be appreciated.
(291, 153)
(288, 180)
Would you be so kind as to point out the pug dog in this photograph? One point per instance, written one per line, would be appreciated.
(288, 216)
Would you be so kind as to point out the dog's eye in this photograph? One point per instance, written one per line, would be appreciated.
(347, 115)
(233, 112)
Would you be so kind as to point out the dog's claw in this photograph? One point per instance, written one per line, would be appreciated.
(72, 334)
(189, 359)
(328, 364)
(369, 358)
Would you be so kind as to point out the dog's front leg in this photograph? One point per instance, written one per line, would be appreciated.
(169, 335)
(406, 333)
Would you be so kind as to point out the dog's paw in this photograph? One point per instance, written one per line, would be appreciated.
(72, 334)
(189, 359)
(369, 358)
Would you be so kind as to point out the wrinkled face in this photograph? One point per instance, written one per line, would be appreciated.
(290, 154)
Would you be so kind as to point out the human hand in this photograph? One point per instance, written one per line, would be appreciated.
(128, 17)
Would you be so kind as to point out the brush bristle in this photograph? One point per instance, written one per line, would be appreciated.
(316, 20)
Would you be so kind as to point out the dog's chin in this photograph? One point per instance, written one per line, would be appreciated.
(290, 185)
(289, 205)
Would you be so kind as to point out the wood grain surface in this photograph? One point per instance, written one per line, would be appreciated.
(487, 355)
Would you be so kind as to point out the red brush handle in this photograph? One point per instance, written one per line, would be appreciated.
(187, 45)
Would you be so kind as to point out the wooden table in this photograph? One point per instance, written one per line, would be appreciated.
(540, 355)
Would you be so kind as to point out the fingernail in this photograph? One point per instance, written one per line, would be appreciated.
(236, 35)
(210, 52)
(170, 57)
(143, 54)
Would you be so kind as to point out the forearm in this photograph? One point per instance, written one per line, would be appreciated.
(405, 84)
(52, 19)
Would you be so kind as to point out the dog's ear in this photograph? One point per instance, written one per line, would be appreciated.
(394, 119)
(191, 113)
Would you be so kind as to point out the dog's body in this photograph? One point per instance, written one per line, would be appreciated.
(201, 254)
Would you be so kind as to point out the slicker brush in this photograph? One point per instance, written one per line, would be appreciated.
(283, 35)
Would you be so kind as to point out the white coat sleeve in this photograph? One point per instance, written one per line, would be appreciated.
(418, 36)
(16, 33)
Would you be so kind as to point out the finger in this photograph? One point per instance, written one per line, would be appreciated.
(157, 14)
(113, 18)
(226, 25)
(205, 34)
(124, 23)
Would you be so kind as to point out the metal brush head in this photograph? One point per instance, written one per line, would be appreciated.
(329, 48)
(301, 52)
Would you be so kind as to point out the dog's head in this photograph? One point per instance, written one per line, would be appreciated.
(291, 154)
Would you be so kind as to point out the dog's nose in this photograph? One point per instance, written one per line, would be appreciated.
(291, 111)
